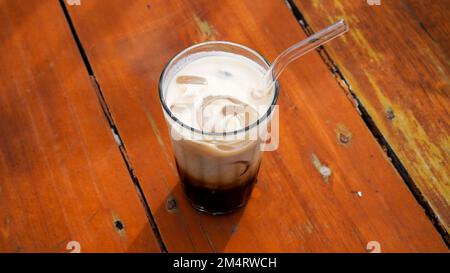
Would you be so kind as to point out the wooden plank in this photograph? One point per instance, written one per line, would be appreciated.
(395, 58)
(432, 18)
(62, 177)
(292, 208)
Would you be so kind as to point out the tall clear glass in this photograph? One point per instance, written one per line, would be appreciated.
(217, 169)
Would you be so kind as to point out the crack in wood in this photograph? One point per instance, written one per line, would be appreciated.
(373, 128)
(416, 18)
(116, 133)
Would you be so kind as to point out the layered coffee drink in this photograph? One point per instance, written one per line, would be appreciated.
(214, 109)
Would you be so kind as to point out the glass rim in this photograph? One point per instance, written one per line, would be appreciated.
(192, 129)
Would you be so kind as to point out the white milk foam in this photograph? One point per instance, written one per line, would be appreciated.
(199, 91)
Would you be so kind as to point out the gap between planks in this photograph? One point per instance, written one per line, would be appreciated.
(373, 128)
(114, 130)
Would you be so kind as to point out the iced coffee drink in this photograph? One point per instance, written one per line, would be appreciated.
(216, 114)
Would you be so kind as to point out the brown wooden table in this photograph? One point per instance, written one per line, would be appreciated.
(85, 153)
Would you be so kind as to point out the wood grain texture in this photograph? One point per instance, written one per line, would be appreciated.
(62, 177)
(292, 207)
(432, 18)
(395, 58)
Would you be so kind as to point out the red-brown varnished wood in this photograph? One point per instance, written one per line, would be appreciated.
(62, 177)
(293, 208)
(395, 58)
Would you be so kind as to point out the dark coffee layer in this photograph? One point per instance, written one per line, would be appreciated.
(216, 201)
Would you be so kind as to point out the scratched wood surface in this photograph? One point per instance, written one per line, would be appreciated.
(395, 58)
(62, 177)
(292, 207)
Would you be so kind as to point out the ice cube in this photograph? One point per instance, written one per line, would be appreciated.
(224, 113)
(258, 93)
(231, 145)
(190, 79)
(178, 107)
(187, 98)
(243, 166)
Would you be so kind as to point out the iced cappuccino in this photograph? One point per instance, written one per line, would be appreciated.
(217, 115)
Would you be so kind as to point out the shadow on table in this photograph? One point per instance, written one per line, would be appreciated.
(197, 231)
